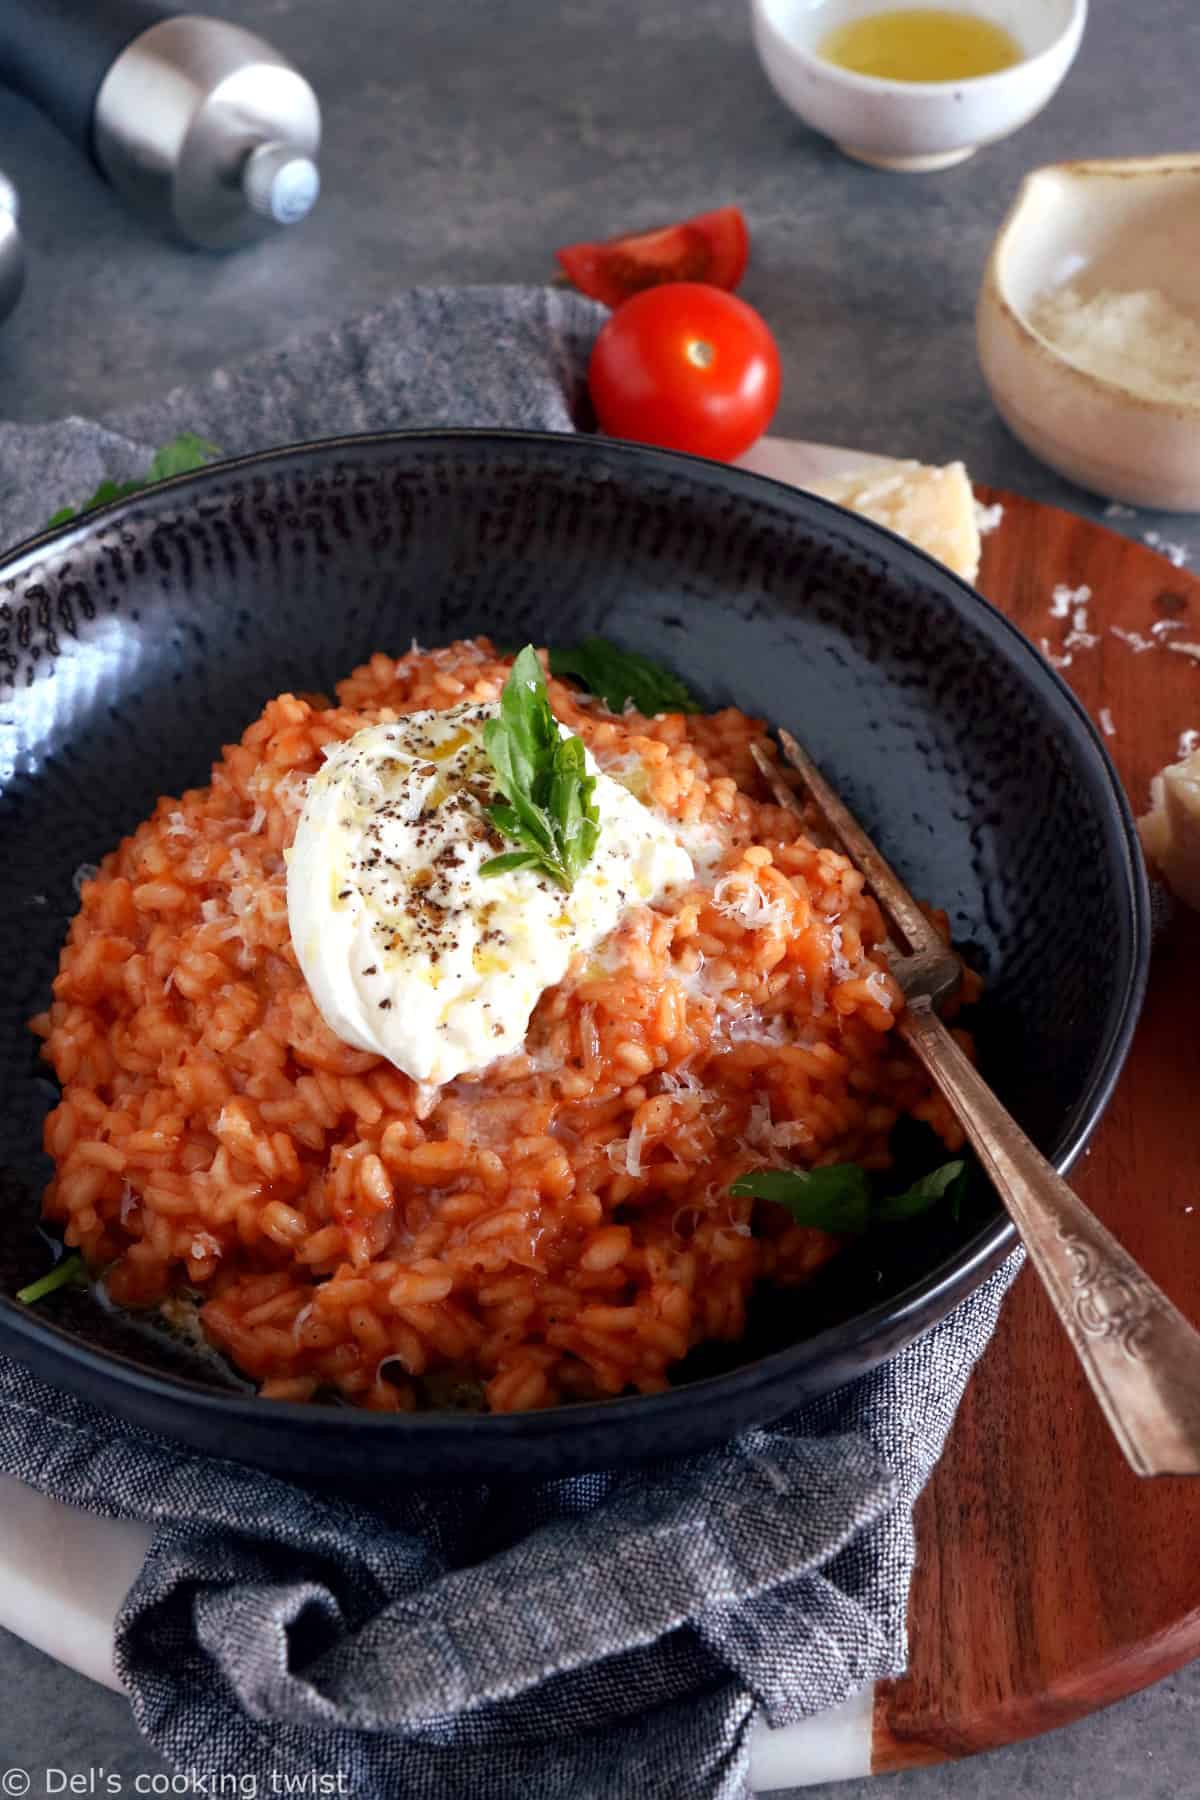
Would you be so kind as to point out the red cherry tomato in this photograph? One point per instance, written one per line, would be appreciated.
(686, 367)
(712, 247)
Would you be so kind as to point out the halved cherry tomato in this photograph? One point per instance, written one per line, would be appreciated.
(687, 367)
(712, 247)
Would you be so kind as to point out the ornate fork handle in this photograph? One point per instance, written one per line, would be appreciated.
(1139, 1353)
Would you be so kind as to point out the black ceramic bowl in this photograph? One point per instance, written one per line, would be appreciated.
(137, 642)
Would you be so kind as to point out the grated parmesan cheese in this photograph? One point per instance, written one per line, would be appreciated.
(625, 1154)
(1106, 722)
(838, 965)
(1079, 637)
(770, 1139)
(745, 901)
(681, 1082)
(1056, 662)
(1064, 600)
(1136, 338)
(1137, 643)
(877, 987)
(1176, 554)
(751, 1028)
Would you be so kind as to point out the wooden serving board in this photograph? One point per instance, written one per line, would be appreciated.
(1051, 1580)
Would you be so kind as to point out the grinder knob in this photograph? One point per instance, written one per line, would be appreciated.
(199, 125)
(12, 253)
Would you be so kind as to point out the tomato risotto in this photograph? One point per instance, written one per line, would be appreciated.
(557, 1226)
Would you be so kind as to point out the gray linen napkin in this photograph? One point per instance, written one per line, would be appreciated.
(609, 1635)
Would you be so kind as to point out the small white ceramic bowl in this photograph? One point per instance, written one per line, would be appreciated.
(914, 126)
(1112, 225)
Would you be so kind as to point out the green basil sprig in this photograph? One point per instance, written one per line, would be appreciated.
(548, 808)
(180, 457)
(619, 676)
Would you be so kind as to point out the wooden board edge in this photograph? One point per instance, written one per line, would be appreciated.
(899, 1741)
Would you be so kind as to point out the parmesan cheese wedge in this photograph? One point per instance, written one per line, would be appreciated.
(933, 508)
(1170, 831)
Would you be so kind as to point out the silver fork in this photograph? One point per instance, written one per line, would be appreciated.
(1139, 1353)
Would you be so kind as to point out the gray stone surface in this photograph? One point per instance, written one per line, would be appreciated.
(463, 142)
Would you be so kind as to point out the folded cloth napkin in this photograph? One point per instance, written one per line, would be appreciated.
(615, 1634)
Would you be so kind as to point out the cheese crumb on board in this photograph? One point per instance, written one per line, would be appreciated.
(1137, 338)
(1137, 643)
(1056, 662)
(1064, 600)
(1170, 831)
(933, 508)
(1106, 722)
(1176, 554)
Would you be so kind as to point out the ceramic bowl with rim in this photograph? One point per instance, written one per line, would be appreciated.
(1129, 223)
(137, 640)
(914, 127)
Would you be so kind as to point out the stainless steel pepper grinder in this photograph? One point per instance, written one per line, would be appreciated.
(12, 254)
(201, 126)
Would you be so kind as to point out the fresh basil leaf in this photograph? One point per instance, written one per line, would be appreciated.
(510, 861)
(619, 677)
(66, 1273)
(836, 1198)
(531, 725)
(521, 744)
(505, 818)
(939, 1184)
(521, 820)
(956, 1193)
(180, 457)
(570, 805)
(548, 805)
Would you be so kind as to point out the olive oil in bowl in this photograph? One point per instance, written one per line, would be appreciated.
(921, 43)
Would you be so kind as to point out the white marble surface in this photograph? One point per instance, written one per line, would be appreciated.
(63, 1574)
